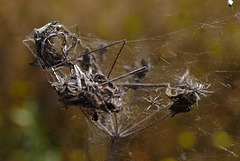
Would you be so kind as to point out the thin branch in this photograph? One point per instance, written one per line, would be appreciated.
(137, 85)
(142, 69)
(112, 125)
(116, 121)
(119, 52)
(74, 58)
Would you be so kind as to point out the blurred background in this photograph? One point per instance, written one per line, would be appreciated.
(202, 36)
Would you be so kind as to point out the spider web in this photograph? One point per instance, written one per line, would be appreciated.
(209, 51)
(213, 59)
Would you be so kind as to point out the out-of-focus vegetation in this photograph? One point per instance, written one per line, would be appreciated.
(32, 125)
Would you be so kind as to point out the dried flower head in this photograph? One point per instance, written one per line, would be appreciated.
(78, 80)
(53, 44)
(187, 93)
(109, 106)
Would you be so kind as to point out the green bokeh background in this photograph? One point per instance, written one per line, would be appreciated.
(204, 36)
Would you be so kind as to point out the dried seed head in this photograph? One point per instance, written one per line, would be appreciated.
(187, 93)
(77, 82)
(53, 42)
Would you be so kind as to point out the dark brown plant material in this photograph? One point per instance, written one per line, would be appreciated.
(78, 80)
(187, 93)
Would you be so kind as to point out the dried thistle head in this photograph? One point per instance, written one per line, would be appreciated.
(187, 93)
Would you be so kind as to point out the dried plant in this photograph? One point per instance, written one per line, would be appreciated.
(78, 81)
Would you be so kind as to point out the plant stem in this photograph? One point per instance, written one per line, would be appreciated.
(112, 154)
(142, 69)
